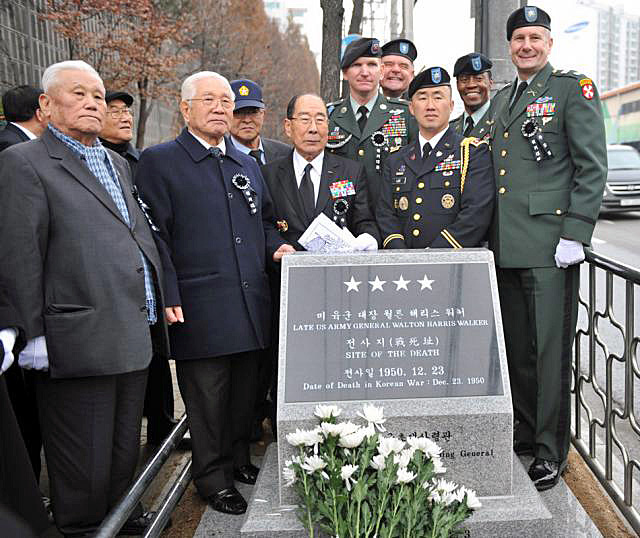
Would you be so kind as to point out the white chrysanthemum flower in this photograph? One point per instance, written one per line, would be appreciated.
(327, 411)
(298, 437)
(369, 431)
(289, 475)
(292, 460)
(427, 446)
(438, 466)
(404, 458)
(346, 474)
(378, 462)
(311, 464)
(373, 415)
(334, 430)
(445, 486)
(352, 440)
(404, 476)
(472, 499)
(388, 445)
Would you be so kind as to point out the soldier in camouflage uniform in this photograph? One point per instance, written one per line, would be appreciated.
(550, 165)
(366, 126)
(474, 82)
(439, 191)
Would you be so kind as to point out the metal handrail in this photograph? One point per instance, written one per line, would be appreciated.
(621, 494)
(119, 514)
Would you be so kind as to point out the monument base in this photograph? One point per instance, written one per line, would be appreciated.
(526, 513)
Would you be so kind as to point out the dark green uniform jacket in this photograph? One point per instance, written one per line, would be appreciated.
(539, 202)
(480, 130)
(389, 127)
(445, 201)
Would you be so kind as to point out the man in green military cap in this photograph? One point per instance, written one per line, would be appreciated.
(474, 82)
(366, 126)
(550, 164)
(398, 56)
(439, 191)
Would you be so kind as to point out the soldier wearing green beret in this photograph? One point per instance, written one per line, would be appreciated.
(550, 165)
(366, 126)
(474, 82)
(439, 191)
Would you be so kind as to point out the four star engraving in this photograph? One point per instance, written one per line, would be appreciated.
(378, 285)
(352, 285)
(401, 284)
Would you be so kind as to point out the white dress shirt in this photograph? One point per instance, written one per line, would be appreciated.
(433, 140)
(24, 130)
(221, 146)
(300, 163)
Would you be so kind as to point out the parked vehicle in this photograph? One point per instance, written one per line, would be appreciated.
(622, 191)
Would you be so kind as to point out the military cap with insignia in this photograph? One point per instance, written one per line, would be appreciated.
(367, 47)
(472, 64)
(429, 78)
(248, 94)
(527, 16)
(400, 47)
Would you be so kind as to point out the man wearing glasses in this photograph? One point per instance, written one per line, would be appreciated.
(216, 229)
(117, 130)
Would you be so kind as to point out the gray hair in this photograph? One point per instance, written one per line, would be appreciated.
(188, 90)
(50, 75)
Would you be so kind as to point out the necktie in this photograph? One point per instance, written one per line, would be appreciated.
(306, 192)
(426, 149)
(521, 88)
(257, 155)
(216, 152)
(469, 126)
(362, 120)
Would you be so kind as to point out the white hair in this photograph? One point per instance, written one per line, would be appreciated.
(50, 75)
(188, 90)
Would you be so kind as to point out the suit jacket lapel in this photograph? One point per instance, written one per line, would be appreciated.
(126, 191)
(444, 147)
(345, 118)
(72, 164)
(535, 89)
(414, 158)
(327, 177)
(289, 185)
(19, 132)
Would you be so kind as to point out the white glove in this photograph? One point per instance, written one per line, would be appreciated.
(34, 355)
(568, 252)
(8, 339)
(365, 242)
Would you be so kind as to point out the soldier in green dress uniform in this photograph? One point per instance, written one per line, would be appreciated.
(474, 82)
(439, 191)
(366, 126)
(550, 165)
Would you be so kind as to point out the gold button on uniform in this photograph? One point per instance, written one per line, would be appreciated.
(503, 153)
(397, 189)
(506, 134)
(416, 233)
(421, 185)
(502, 171)
(416, 216)
(361, 152)
(558, 211)
(502, 190)
(418, 200)
(447, 183)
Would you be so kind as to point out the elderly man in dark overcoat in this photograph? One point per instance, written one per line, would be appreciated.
(215, 230)
(82, 270)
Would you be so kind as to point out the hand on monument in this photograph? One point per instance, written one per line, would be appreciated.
(568, 252)
(8, 339)
(174, 314)
(366, 242)
(282, 250)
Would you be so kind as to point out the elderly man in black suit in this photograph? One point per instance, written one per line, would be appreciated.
(215, 229)
(22, 111)
(248, 119)
(82, 271)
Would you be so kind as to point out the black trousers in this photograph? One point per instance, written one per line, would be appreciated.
(219, 395)
(91, 433)
(19, 492)
(158, 400)
(22, 392)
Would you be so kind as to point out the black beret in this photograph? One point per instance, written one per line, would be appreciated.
(428, 78)
(400, 47)
(368, 47)
(472, 64)
(123, 96)
(527, 16)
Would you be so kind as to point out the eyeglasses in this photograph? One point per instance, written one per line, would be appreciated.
(117, 113)
(306, 120)
(210, 102)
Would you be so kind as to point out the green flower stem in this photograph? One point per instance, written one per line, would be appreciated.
(307, 495)
(396, 507)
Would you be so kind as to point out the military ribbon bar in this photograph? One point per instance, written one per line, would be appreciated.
(447, 165)
(340, 189)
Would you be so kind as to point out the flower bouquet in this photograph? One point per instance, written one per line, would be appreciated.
(354, 481)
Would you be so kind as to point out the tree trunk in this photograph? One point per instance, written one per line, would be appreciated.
(332, 16)
(355, 27)
(145, 110)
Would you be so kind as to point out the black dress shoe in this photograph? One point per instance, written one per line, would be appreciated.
(137, 526)
(228, 501)
(247, 474)
(522, 448)
(545, 473)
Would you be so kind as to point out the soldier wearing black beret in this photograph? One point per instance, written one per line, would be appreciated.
(398, 56)
(366, 126)
(550, 164)
(439, 191)
(473, 80)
